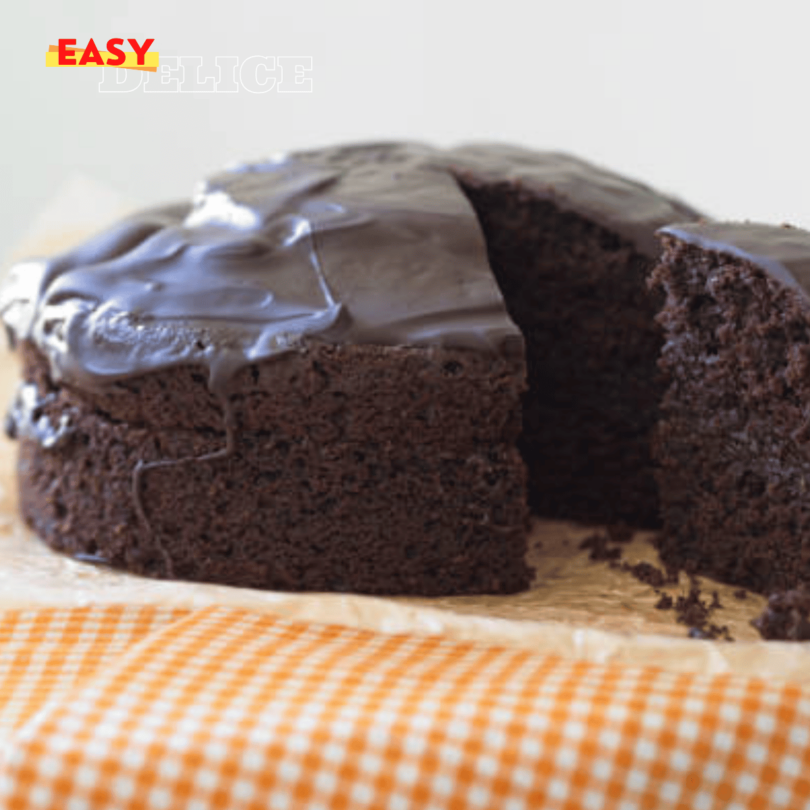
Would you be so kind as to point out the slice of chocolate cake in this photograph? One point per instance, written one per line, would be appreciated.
(309, 379)
(734, 439)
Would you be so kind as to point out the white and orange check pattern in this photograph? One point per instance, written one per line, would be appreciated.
(126, 707)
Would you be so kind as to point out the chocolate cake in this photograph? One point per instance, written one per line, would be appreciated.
(734, 439)
(309, 378)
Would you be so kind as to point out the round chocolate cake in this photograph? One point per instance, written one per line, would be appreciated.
(348, 369)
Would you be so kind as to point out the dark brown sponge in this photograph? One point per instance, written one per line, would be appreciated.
(578, 292)
(734, 439)
(354, 468)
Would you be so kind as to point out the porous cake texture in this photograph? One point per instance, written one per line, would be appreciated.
(734, 439)
(572, 246)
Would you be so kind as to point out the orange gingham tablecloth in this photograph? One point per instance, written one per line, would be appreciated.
(147, 707)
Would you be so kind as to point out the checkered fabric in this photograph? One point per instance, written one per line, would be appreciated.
(219, 708)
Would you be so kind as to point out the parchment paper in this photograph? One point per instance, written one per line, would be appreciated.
(576, 607)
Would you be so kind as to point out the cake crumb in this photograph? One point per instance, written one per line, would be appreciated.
(665, 602)
(785, 618)
(691, 609)
(647, 573)
(597, 542)
(695, 612)
(619, 533)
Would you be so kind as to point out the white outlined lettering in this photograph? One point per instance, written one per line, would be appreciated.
(227, 74)
(170, 75)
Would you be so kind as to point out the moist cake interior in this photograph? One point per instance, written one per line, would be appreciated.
(733, 441)
(578, 293)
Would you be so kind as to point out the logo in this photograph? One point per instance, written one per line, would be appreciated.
(65, 54)
(147, 71)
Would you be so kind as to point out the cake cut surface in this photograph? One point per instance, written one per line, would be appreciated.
(734, 440)
(572, 246)
(314, 377)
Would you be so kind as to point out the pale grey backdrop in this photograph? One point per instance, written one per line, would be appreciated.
(705, 98)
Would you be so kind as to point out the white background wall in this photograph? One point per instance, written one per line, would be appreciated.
(706, 98)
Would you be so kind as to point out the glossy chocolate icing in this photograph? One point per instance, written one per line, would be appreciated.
(781, 250)
(374, 243)
(631, 209)
(26, 419)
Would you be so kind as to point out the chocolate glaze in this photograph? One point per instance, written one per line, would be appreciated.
(373, 243)
(26, 419)
(781, 250)
(625, 206)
